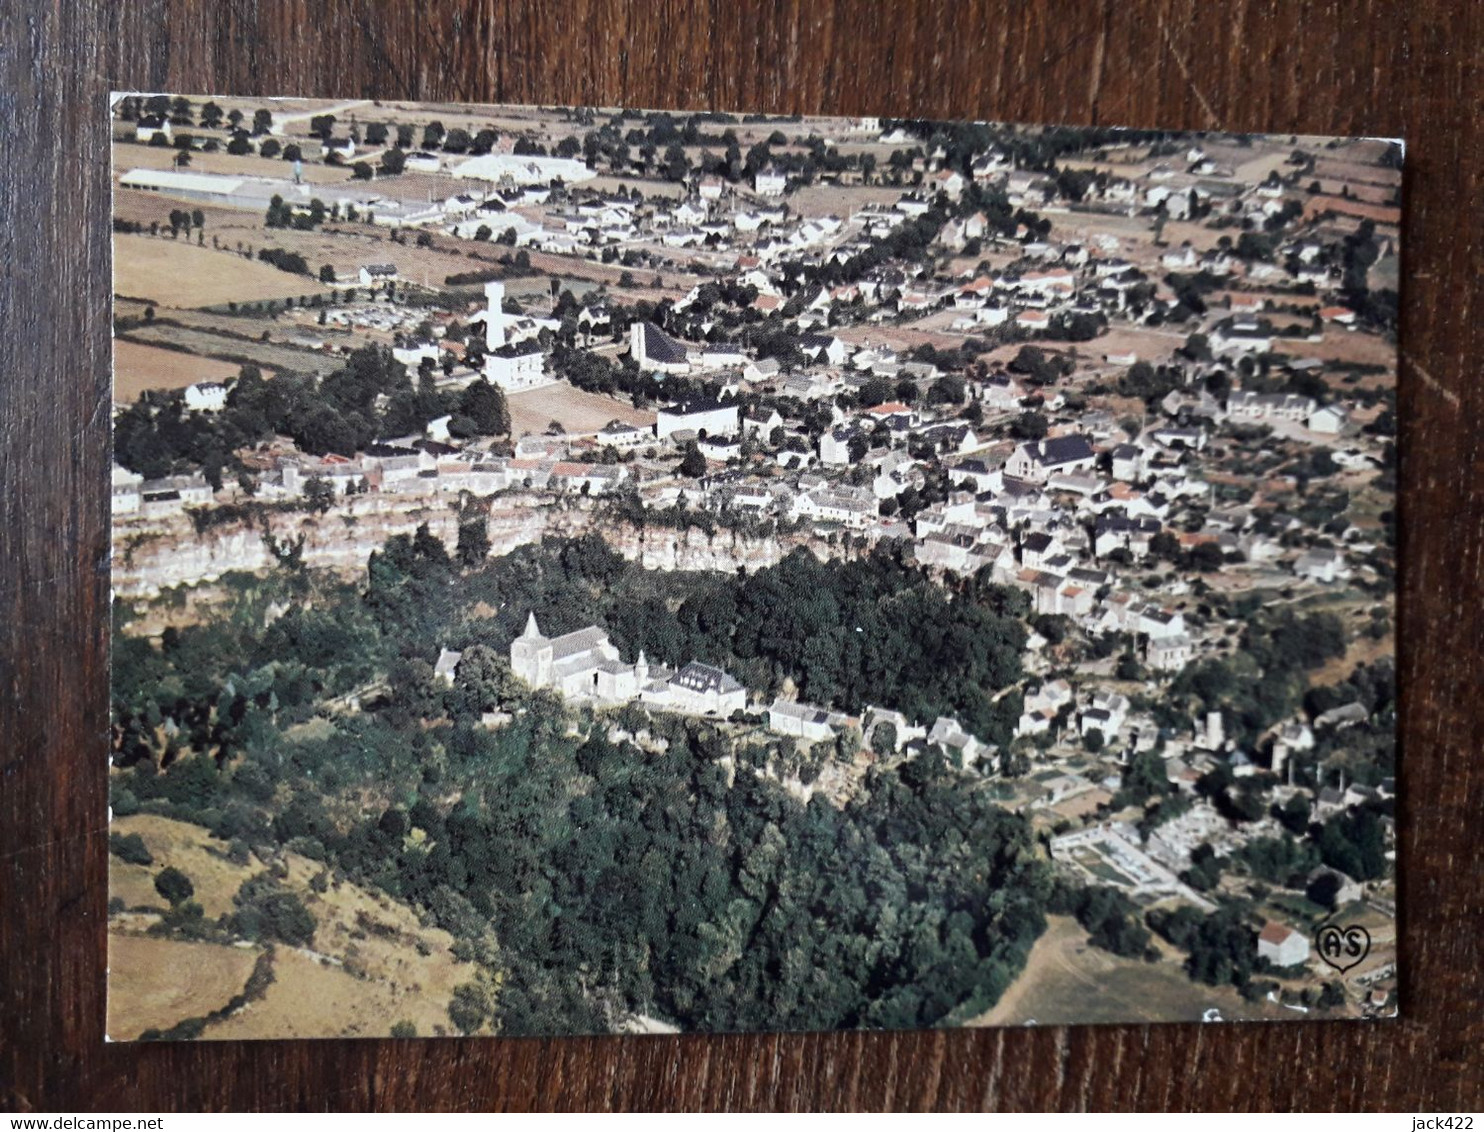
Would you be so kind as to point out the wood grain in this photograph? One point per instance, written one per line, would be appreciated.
(1377, 67)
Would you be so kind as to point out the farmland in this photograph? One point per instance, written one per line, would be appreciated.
(137, 367)
(235, 350)
(175, 273)
(579, 412)
(156, 983)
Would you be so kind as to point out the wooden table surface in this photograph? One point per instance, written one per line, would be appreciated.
(1349, 67)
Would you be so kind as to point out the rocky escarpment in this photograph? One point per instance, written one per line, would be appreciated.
(153, 554)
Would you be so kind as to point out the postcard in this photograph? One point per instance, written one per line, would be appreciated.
(592, 570)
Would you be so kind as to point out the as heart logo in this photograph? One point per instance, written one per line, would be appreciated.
(1341, 947)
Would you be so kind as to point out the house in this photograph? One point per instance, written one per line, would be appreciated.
(447, 665)
(1112, 531)
(1330, 419)
(1346, 715)
(622, 435)
(770, 182)
(713, 418)
(1169, 654)
(834, 445)
(804, 721)
(823, 348)
(173, 493)
(762, 369)
(1281, 946)
(1160, 623)
(421, 161)
(959, 744)
(1038, 459)
(948, 181)
(654, 350)
(1243, 404)
(126, 497)
(1038, 548)
(206, 397)
(701, 689)
(1001, 391)
(856, 508)
(1127, 463)
(1321, 564)
(1240, 336)
(151, 126)
(722, 355)
(760, 423)
(371, 274)
(895, 415)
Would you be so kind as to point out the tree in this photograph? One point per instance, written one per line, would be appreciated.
(469, 1007)
(319, 494)
(267, 911)
(404, 1028)
(884, 739)
(362, 171)
(474, 541)
(130, 847)
(174, 885)
(485, 406)
(693, 464)
(1029, 426)
(1332, 995)
(326, 274)
(393, 161)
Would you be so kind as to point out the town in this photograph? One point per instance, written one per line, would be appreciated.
(1132, 393)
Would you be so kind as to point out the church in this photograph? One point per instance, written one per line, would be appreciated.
(580, 665)
(585, 665)
(512, 364)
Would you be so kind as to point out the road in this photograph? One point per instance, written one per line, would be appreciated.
(280, 120)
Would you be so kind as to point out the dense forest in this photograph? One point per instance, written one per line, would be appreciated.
(598, 869)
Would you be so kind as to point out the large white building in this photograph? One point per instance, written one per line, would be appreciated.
(714, 418)
(524, 169)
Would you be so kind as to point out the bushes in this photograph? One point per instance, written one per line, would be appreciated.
(1110, 919)
(291, 262)
(174, 885)
(130, 847)
(265, 910)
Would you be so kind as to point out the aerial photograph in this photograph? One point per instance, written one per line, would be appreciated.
(603, 570)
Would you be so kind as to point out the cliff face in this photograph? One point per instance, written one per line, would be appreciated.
(152, 554)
